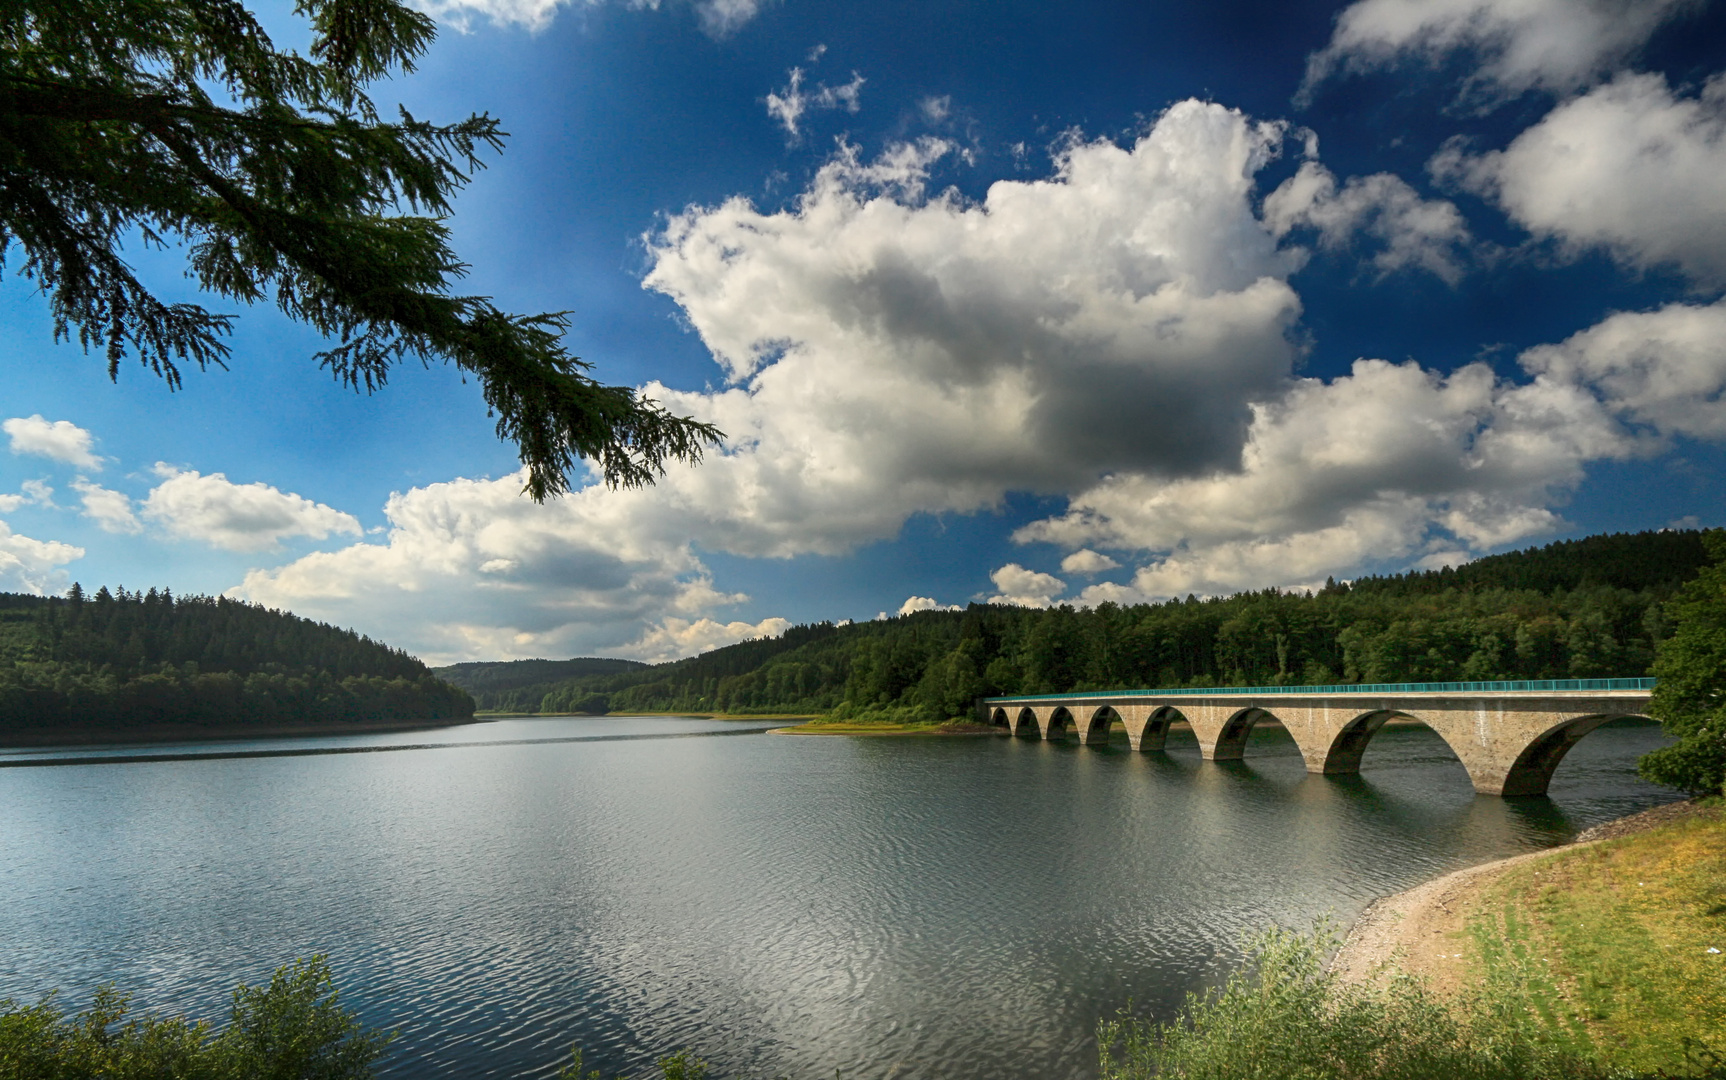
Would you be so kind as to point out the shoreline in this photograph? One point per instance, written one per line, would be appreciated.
(1399, 930)
(491, 715)
(104, 735)
(883, 730)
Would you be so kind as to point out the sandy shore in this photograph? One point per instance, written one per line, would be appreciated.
(1417, 929)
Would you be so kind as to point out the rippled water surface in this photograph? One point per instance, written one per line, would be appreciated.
(887, 907)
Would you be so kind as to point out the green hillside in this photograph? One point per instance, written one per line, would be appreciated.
(147, 658)
(482, 678)
(1576, 609)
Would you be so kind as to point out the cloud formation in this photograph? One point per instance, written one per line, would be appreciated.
(1116, 333)
(676, 638)
(60, 440)
(1393, 463)
(1025, 588)
(1086, 561)
(914, 604)
(789, 104)
(1629, 167)
(1552, 45)
(1412, 232)
(33, 566)
(110, 510)
(472, 568)
(892, 352)
(889, 351)
(237, 517)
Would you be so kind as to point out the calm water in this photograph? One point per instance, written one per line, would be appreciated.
(957, 908)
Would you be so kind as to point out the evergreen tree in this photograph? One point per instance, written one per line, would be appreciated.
(180, 122)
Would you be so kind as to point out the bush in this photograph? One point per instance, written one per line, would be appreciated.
(292, 1029)
(1284, 1017)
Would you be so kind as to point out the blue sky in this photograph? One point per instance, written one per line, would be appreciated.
(1044, 303)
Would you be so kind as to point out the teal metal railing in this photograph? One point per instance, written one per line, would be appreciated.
(1503, 686)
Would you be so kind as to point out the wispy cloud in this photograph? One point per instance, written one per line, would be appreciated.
(789, 105)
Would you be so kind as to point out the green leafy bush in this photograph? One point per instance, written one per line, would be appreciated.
(1690, 700)
(292, 1029)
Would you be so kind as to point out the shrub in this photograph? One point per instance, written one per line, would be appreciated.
(1285, 1017)
(292, 1029)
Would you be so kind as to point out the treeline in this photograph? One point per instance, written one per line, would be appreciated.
(1578, 609)
(137, 658)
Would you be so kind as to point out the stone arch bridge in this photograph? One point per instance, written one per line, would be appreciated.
(1510, 736)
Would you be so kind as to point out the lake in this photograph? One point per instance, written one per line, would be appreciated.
(784, 906)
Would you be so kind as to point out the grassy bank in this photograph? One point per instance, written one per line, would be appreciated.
(1613, 940)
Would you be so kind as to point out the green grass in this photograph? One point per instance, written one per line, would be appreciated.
(1613, 941)
(1285, 1016)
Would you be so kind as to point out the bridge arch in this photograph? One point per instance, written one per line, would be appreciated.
(1232, 738)
(998, 718)
(1531, 772)
(1345, 750)
(1095, 730)
(1025, 725)
(1060, 720)
(1155, 734)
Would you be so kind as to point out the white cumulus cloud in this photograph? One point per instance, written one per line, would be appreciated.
(1518, 45)
(676, 638)
(61, 440)
(1393, 462)
(1086, 561)
(1026, 588)
(238, 517)
(1409, 231)
(33, 566)
(110, 510)
(891, 352)
(472, 568)
(915, 604)
(30, 492)
(1630, 167)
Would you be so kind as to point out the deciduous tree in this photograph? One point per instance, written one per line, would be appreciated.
(1690, 698)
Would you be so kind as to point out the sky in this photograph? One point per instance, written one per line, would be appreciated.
(1013, 302)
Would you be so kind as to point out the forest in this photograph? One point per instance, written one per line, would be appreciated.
(138, 658)
(1587, 608)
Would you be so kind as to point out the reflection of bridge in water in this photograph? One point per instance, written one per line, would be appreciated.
(1509, 735)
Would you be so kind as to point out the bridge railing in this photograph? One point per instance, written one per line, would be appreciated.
(1499, 686)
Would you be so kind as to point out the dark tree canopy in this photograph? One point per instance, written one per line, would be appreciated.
(1690, 699)
(179, 123)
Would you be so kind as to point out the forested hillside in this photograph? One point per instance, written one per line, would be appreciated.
(1576, 609)
(494, 678)
(142, 658)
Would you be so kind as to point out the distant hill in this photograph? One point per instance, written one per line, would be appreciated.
(492, 677)
(1592, 607)
(131, 658)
